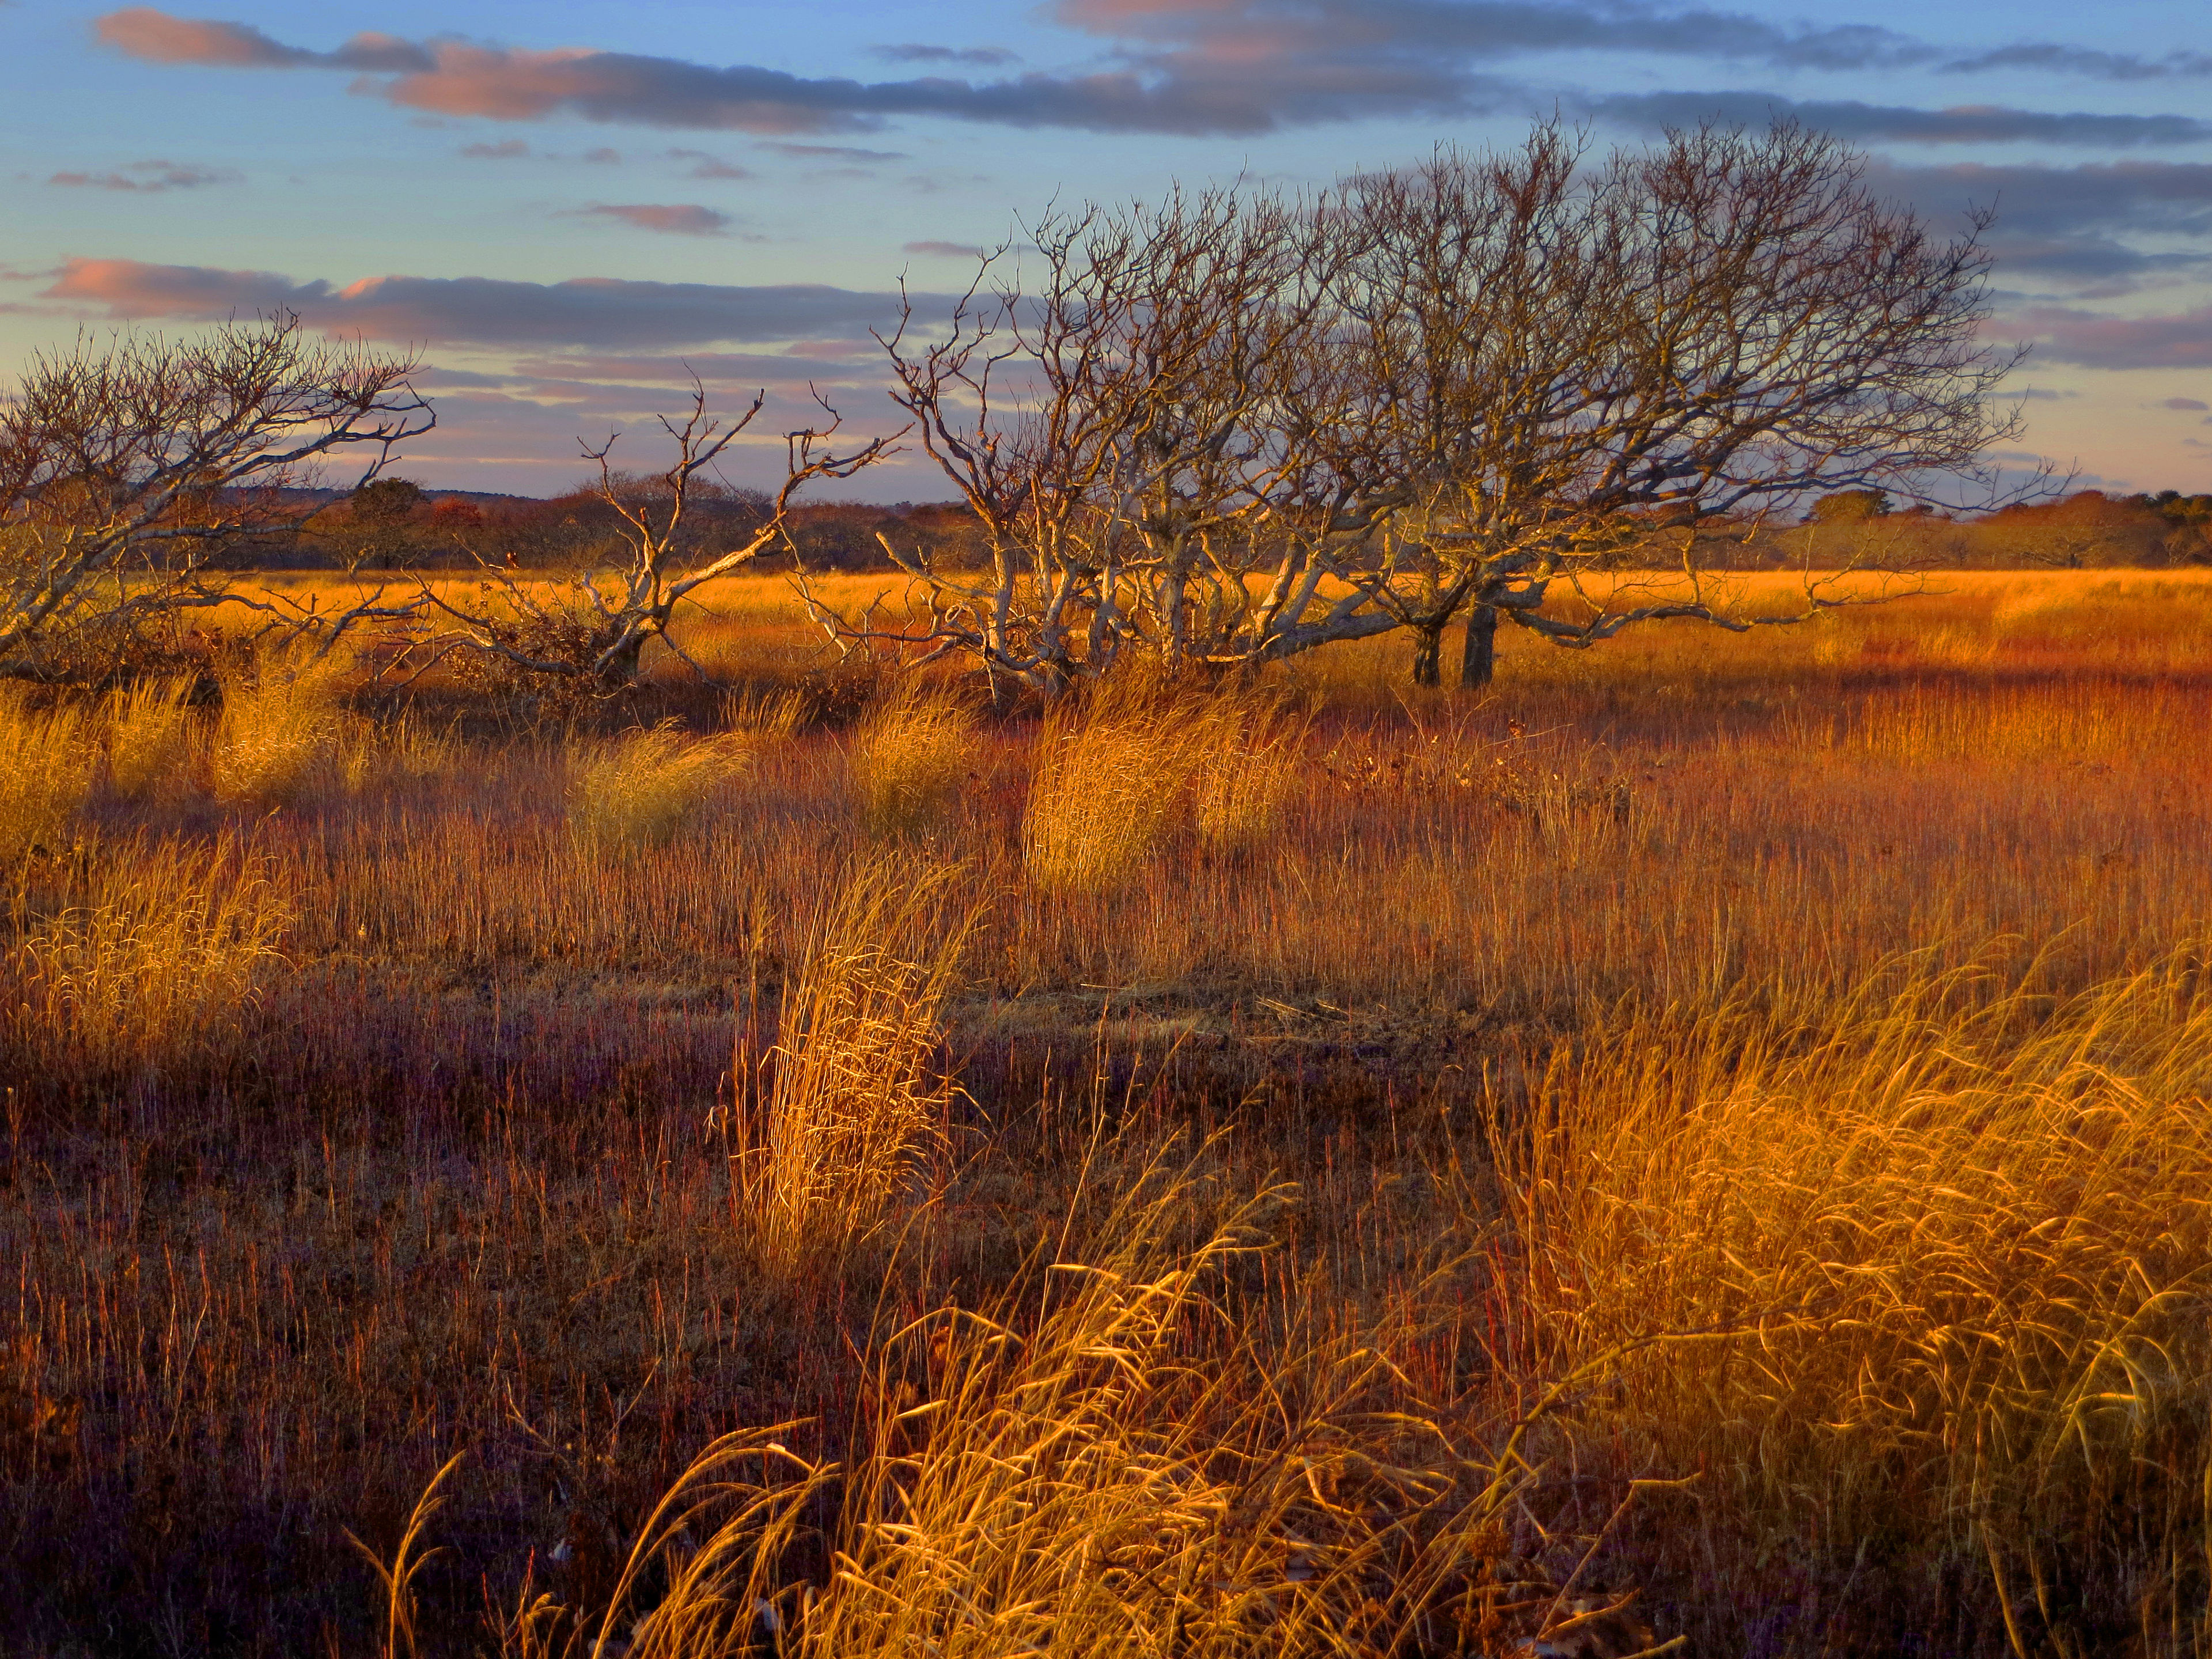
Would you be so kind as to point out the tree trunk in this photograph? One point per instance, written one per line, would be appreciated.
(1428, 649)
(1478, 661)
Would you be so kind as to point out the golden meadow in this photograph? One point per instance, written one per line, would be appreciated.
(1703, 1149)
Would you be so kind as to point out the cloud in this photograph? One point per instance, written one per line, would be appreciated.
(150, 176)
(506, 150)
(2081, 228)
(709, 167)
(2097, 340)
(1182, 67)
(1848, 119)
(144, 33)
(946, 249)
(836, 153)
(2197, 406)
(678, 219)
(984, 57)
(592, 313)
(2086, 61)
(604, 156)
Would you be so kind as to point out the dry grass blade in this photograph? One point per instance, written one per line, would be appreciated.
(1252, 771)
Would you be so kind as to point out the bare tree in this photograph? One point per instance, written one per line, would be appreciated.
(126, 464)
(1240, 429)
(595, 635)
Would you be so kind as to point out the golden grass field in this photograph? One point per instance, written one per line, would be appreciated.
(1703, 1148)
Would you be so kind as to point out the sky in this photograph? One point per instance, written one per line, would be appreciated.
(566, 209)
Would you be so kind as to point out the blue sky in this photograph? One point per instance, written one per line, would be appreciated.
(563, 205)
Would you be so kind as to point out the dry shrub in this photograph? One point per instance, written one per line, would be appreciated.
(149, 736)
(911, 754)
(1050, 1473)
(860, 1086)
(641, 789)
(281, 729)
(1934, 1266)
(45, 773)
(161, 963)
(1114, 769)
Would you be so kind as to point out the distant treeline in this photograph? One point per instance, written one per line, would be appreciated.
(392, 524)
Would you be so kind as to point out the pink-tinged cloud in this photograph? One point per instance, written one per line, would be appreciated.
(590, 313)
(155, 36)
(2063, 334)
(672, 218)
(158, 37)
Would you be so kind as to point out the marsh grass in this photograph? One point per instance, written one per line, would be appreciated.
(862, 1081)
(47, 761)
(149, 738)
(1112, 777)
(640, 789)
(278, 737)
(911, 752)
(1948, 1241)
(159, 964)
(1633, 1034)
(1256, 755)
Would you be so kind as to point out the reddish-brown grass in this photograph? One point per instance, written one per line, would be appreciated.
(454, 1155)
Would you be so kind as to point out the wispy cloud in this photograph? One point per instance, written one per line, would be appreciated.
(2097, 340)
(506, 149)
(672, 218)
(704, 166)
(592, 313)
(836, 153)
(149, 177)
(982, 57)
(1848, 119)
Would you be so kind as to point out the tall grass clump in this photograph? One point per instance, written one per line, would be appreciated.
(149, 736)
(768, 716)
(1048, 1472)
(1252, 769)
(860, 1082)
(45, 773)
(1927, 1274)
(1114, 769)
(910, 753)
(167, 954)
(279, 734)
(640, 789)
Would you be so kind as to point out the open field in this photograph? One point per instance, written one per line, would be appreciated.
(1721, 1118)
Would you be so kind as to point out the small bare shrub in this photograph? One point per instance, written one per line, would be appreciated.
(910, 755)
(641, 789)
